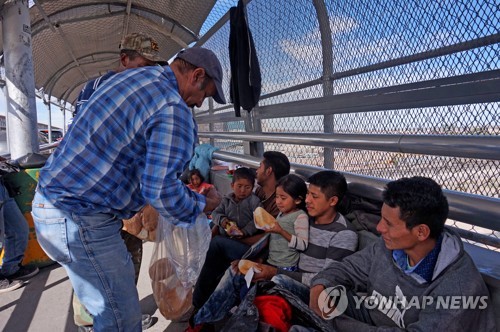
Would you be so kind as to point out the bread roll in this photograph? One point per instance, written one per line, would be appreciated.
(149, 218)
(244, 265)
(262, 218)
(172, 298)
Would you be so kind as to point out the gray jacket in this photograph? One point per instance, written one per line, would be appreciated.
(415, 305)
(241, 212)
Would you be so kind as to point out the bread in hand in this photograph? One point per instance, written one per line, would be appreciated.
(263, 219)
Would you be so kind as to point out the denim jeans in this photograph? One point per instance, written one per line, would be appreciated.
(294, 286)
(13, 233)
(221, 253)
(224, 297)
(94, 255)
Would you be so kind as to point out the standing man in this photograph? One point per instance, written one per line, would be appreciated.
(136, 50)
(409, 274)
(127, 147)
(13, 240)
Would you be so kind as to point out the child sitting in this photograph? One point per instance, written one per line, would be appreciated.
(291, 231)
(197, 182)
(331, 238)
(234, 215)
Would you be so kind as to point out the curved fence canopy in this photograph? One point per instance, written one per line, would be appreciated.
(77, 40)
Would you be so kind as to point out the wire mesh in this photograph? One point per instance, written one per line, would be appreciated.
(404, 42)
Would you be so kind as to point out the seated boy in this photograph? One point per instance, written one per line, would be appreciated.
(234, 215)
(222, 250)
(331, 238)
(417, 276)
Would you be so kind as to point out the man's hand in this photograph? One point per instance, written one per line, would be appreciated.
(212, 201)
(267, 272)
(313, 298)
(234, 266)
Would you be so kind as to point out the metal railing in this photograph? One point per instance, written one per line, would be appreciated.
(378, 92)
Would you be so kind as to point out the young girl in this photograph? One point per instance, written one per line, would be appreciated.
(291, 232)
(197, 182)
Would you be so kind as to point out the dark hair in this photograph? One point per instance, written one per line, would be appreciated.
(195, 171)
(331, 183)
(278, 162)
(420, 201)
(296, 187)
(243, 173)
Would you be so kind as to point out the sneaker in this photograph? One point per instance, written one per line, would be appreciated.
(24, 272)
(146, 321)
(7, 285)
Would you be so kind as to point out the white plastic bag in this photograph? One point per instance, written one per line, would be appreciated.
(177, 259)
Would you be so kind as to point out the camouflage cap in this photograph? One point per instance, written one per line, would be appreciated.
(143, 44)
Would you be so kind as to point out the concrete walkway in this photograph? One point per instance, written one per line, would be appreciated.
(44, 303)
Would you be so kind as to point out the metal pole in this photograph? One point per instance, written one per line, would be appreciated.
(49, 131)
(211, 125)
(20, 79)
(327, 55)
(64, 120)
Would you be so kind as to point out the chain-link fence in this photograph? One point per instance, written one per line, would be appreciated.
(372, 45)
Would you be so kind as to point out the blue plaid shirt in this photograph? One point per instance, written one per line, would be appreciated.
(129, 145)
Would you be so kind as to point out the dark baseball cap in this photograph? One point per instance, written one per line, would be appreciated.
(206, 59)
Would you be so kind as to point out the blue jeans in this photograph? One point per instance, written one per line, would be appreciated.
(224, 297)
(13, 232)
(94, 255)
(294, 286)
(221, 253)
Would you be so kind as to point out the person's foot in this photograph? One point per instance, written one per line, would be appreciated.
(146, 321)
(7, 285)
(24, 273)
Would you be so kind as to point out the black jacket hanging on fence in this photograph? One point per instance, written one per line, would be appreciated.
(245, 71)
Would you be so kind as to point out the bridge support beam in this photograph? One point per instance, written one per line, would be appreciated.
(20, 79)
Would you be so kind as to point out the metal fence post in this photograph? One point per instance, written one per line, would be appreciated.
(327, 50)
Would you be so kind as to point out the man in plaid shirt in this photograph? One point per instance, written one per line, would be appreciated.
(127, 148)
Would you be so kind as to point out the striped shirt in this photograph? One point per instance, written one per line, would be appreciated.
(128, 146)
(327, 243)
(89, 89)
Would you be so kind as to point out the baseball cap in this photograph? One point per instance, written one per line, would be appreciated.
(206, 59)
(144, 45)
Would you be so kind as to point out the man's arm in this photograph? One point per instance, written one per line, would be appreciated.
(170, 136)
(352, 273)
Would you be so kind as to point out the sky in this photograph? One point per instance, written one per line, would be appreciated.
(42, 112)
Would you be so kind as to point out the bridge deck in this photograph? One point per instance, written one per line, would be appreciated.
(44, 304)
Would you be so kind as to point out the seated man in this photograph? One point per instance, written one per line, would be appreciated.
(222, 250)
(417, 276)
(331, 237)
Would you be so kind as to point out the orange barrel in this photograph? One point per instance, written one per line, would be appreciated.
(25, 182)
